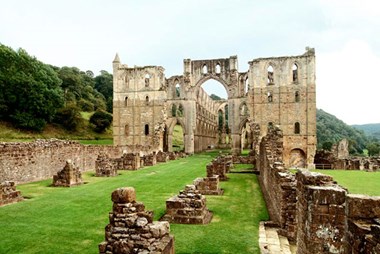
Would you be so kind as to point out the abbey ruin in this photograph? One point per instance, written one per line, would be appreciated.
(275, 91)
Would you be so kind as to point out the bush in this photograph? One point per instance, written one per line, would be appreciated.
(85, 105)
(26, 120)
(101, 120)
(69, 117)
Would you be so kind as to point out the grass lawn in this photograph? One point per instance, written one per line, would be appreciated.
(357, 182)
(72, 220)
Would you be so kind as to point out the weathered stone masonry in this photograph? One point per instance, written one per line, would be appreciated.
(312, 210)
(39, 160)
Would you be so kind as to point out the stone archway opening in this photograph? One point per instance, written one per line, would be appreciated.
(218, 93)
(178, 143)
(297, 158)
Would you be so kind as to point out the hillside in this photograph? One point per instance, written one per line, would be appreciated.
(330, 130)
(372, 129)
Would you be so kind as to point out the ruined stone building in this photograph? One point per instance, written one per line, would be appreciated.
(275, 91)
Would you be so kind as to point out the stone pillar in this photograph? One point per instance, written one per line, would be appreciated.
(236, 144)
(131, 228)
(321, 216)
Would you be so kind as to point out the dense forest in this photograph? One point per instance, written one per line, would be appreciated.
(34, 94)
(371, 129)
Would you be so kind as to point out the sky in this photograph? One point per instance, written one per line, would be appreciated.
(87, 34)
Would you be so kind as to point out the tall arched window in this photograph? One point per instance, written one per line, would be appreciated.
(147, 80)
(297, 128)
(174, 110)
(270, 97)
(126, 101)
(246, 86)
(146, 129)
(295, 72)
(297, 97)
(177, 90)
(217, 69)
(204, 69)
(147, 100)
(270, 75)
(180, 110)
(126, 130)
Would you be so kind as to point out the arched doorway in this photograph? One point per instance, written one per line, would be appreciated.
(297, 158)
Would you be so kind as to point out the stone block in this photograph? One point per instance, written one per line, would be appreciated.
(124, 195)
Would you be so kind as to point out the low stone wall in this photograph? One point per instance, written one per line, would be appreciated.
(320, 214)
(208, 185)
(238, 159)
(8, 193)
(41, 159)
(69, 176)
(219, 166)
(131, 229)
(363, 224)
(189, 207)
(105, 166)
(277, 184)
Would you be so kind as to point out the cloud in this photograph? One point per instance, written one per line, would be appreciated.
(346, 82)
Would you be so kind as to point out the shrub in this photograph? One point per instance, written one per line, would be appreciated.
(101, 120)
(69, 117)
(85, 105)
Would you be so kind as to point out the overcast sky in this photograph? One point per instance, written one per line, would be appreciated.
(87, 35)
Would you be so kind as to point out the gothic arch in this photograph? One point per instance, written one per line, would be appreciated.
(297, 158)
(209, 76)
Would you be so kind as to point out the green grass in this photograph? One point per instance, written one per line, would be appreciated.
(357, 182)
(72, 220)
(177, 141)
(96, 141)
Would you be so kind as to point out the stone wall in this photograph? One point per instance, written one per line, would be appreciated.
(278, 184)
(363, 224)
(312, 209)
(320, 214)
(131, 228)
(41, 159)
(8, 193)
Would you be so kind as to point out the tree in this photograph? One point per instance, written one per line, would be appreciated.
(104, 85)
(30, 90)
(69, 117)
(101, 120)
(373, 148)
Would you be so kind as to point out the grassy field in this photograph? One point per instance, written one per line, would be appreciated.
(357, 182)
(72, 220)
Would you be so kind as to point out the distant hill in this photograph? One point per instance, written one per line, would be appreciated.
(372, 129)
(330, 130)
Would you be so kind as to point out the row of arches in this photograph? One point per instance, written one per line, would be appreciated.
(297, 97)
(271, 74)
(296, 130)
(127, 101)
(206, 70)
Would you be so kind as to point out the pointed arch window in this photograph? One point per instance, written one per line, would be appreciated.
(297, 97)
(147, 80)
(177, 90)
(270, 97)
(297, 128)
(270, 75)
(217, 69)
(246, 86)
(126, 130)
(295, 73)
(174, 110)
(204, 69)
